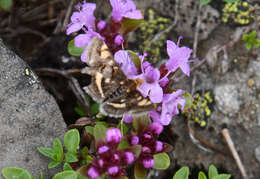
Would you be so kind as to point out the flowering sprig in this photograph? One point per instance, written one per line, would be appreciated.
(153, 82)
(110, 160)
(83, 20)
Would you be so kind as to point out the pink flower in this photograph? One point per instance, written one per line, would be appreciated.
(124, 8)
(179, 57)
(84, 18)
(113, 136)
(151, 86)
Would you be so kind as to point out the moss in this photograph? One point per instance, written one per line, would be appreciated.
(238, 13)
(152, 25)
(200, 109)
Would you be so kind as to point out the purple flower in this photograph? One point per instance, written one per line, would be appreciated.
(134, 140)
(156, 127)
(158, 146)
(179, 57)
(83, 40)
(118, 39)
(123, 58)
(113, 135)
(129, 156)
(101, 25)
(93, 173)
(124, 8)
(127, 118)
(151, 87)
(85, 17)
(169, 108)
(148, 162)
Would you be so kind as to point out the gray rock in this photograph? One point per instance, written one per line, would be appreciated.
(29, 116)
(257, 153)
(227, 98)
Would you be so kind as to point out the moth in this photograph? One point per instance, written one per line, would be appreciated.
(109, 86)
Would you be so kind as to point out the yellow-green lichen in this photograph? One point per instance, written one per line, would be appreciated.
(152, 25)
(200, 110)
(239, 13)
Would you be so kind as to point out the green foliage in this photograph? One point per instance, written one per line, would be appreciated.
(66, 175)
(231, 1)
(6, 4)
(238, 13)
(13, 173)
(139, 171)
(212, 171)
(182, 173)
(129, 25)
(152, 25)
(251, 40)
(100, 132)
(161, 161)
(198, 108)
(202, 175)
(71, 142)
(73, 50)
(204, 2)
(94, 109)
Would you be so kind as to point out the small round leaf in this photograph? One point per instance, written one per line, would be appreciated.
(161, 161)
(73, 50)
(71, 140)
(12, 173)
(66, 175)
(182, 173)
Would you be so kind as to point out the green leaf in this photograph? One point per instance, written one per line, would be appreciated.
(89, 159)
(161, 161)
(135, 59)
(15, 173)
(100, 132)
(248, 46)
(231, 1)
(94, 109)
(47, 152)
(40, 176)
(182, 173)
(70, 157)
(79, 110)
(57, 150)
(53, 164)
(204, 2)
(66, 175)
(73, 50)
(222, 176)
(122, 127)
(6, 4)
(90, 130)
(71, 140)
(84, 152)
(202, 175)
(139, 171)
(212, 171)
(129, 25)
(67, 166)
(123, 145)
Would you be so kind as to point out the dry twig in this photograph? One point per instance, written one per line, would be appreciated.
(232, 148)
(73, 83)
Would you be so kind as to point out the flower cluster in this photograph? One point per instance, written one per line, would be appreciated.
(147, 138)
(110, 160)
(152, 81)
(85, 21)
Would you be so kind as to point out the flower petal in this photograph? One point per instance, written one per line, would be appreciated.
(156, 94)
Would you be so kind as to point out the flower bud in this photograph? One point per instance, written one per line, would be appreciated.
(113, 135)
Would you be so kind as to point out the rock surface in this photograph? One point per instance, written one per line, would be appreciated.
(29, 116)
(227, 99)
